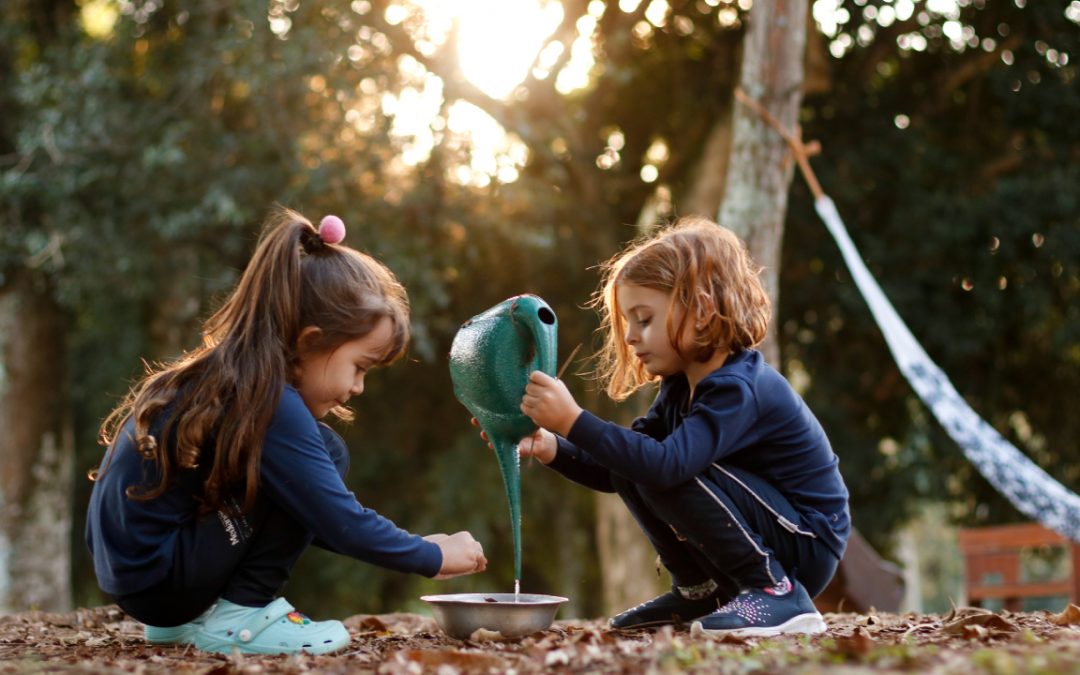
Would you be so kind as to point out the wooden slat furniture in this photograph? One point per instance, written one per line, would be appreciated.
(994, 552)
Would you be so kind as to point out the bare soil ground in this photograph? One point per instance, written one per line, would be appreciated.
(967, 640)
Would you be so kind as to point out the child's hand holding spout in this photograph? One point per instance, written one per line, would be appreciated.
(541, 444)
(549, 403)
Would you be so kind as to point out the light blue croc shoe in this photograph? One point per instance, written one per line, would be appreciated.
(183, 634)
(275, 629)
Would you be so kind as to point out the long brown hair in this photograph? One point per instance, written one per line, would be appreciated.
(706, 270)
(224, 393)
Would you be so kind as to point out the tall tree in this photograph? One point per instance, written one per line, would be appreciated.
(37, 444)
(760, 168)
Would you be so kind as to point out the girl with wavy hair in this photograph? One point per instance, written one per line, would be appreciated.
(729, 474)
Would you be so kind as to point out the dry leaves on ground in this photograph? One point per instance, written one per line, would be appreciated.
(964, 641)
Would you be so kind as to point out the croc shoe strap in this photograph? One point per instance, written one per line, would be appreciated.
(263, 619)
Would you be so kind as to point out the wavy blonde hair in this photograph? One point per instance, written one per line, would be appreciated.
(223, 394)
(707, 271)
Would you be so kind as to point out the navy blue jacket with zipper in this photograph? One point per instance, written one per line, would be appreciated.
(743, 414)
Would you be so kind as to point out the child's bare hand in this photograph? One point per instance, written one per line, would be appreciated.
(542, 445)
(461, 554)
(549, 403)
(483, 434)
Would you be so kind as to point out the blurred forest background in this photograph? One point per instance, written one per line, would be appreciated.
(143, 141)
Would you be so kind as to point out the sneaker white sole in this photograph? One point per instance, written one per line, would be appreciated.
(651, 624)
(810, 624)
(644, 624)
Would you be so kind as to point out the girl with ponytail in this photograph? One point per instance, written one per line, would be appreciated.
(219, 472)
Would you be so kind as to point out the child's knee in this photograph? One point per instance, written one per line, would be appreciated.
(680, 502)
(652, 497)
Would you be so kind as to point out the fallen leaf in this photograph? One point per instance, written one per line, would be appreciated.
(980, 626)
(592, 637)
(963, 612)
(98, 641)
(459, 660)
(372, 624)
(1070, 616)
(859, 643)
(556, 657)
(485, 635)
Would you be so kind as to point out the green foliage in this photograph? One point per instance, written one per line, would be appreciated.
(955, 172)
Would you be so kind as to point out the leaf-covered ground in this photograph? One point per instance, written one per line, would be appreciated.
(968, 640)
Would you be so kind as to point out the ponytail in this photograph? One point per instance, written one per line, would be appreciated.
(223, 394)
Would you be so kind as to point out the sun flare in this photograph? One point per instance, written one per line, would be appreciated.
(498, 40)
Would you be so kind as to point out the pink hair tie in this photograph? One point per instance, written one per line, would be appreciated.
(331, 229)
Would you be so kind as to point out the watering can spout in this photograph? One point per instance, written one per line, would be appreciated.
(491, 358)
(534, 314)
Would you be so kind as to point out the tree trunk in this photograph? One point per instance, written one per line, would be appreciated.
(755, 204)
(710, 176)
(760, 171)
(37, 447)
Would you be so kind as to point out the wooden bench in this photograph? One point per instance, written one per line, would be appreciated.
(992, 564)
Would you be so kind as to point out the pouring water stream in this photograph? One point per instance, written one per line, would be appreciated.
(491, 359)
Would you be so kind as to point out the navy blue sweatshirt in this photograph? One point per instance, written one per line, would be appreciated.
(132, 541)
(743, 414)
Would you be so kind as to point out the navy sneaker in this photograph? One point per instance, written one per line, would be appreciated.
(669, 608)
(762, 612)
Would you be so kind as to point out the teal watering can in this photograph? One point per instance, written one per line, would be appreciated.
(490, 361)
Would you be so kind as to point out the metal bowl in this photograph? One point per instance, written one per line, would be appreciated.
(460, 614)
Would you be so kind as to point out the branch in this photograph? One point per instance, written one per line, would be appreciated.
(885, 44)
(565, 35)
(973, 67)
(801, 151)
(444, 64)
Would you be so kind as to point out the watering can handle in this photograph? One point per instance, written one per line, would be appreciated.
(542, 326)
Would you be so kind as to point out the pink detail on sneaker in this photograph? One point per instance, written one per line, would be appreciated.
(747, 607)
(782, 588)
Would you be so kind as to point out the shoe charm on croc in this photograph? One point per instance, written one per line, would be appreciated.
(297, 617)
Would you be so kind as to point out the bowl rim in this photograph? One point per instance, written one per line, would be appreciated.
(478, 599)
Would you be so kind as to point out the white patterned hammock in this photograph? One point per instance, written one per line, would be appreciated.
(1030, 489)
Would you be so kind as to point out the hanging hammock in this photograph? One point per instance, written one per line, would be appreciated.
(1012, 473)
